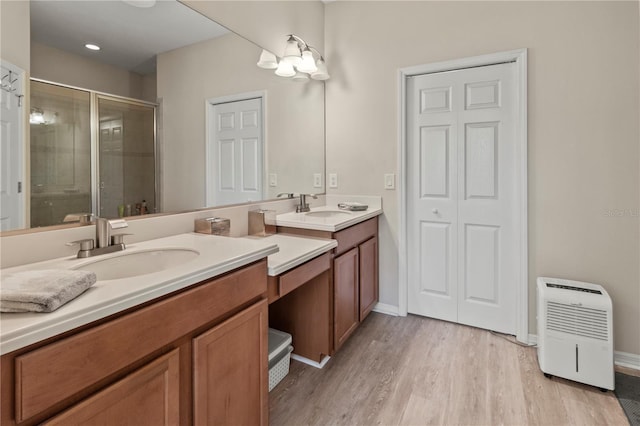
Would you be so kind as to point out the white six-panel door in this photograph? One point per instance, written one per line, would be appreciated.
(237, 147)
(461, 199)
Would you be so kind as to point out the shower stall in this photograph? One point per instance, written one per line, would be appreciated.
(90, 152)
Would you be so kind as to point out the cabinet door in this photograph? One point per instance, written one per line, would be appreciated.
(345, 290)
(231, 372)
(368, 253)
(150, 395)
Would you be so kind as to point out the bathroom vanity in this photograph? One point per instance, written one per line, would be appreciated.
(196, 354)
(353, 269)
(188, 344)
(353, 277)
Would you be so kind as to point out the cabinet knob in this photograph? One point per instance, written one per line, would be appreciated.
(435, 211)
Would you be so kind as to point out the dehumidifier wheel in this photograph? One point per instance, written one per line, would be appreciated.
(547, 375)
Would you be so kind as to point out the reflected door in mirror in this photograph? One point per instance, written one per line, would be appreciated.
(235, 160)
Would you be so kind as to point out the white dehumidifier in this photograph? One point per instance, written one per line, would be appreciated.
(575, 332)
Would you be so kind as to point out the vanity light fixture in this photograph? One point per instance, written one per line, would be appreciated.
(300, 61)
(300, 77)
(92, 46)
(285, 69)
(268, 60)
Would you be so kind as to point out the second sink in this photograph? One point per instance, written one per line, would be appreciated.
(137, 263)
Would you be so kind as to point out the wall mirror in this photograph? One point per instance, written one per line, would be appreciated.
(226, 131)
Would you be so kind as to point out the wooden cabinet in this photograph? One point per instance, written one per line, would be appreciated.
(139, 360)
(355, 284)
(345, 296)
(231, 372)
(368, 268)
(150, 395)
(355, 275)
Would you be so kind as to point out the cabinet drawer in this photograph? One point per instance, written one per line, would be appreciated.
(50, 374)
(289, 281)
(293, 279)
(351, 237)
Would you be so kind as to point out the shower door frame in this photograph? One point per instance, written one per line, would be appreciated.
(95, 148)
(94, 95)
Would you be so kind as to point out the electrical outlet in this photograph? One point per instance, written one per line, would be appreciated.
(273, 179)
(389, 181)
(317, 180)
(333, 180)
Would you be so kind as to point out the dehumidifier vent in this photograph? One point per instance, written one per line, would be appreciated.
(577, 320)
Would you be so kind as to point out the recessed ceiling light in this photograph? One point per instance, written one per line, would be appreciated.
(92, 46)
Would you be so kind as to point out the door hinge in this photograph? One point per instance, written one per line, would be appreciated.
(19, 187)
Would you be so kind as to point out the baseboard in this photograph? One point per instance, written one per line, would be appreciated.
(623, 359)
(383, 308)
(310, 362)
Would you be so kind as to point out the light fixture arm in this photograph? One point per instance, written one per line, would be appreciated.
(304, 45)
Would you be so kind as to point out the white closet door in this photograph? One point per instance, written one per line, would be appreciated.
(238, 152)
(461, 197)
(432, 195)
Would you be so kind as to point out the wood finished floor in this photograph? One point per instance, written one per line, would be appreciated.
(420, 371)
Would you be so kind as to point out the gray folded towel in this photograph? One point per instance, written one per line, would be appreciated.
(42, 290)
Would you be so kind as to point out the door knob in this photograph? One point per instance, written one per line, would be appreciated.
(435, 211)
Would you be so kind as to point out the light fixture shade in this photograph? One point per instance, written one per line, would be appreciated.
(321, 73)
(300, 77)
(308, 63)
(292, 52)
(285, 69)
(267, 60)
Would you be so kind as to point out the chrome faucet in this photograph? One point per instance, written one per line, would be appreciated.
(103, 230)
(105, 242)
(303, 206)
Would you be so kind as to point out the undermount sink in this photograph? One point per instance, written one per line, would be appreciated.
(129, 265)
(327, 213)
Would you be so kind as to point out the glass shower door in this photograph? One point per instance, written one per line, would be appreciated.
(126, 165)
(60, 151)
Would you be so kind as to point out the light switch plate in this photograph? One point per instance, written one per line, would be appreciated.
(389, 181)
(317, 180)
(333, 180)
(273, 179)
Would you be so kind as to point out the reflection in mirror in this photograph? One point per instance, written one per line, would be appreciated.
(60, 153)
(126, 157)
(61, 156)
(187, 80)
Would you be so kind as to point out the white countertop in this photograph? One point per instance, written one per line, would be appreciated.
(217, 256)
(335, 223)
(294, 250)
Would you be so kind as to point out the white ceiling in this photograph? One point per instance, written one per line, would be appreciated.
(130, 37)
